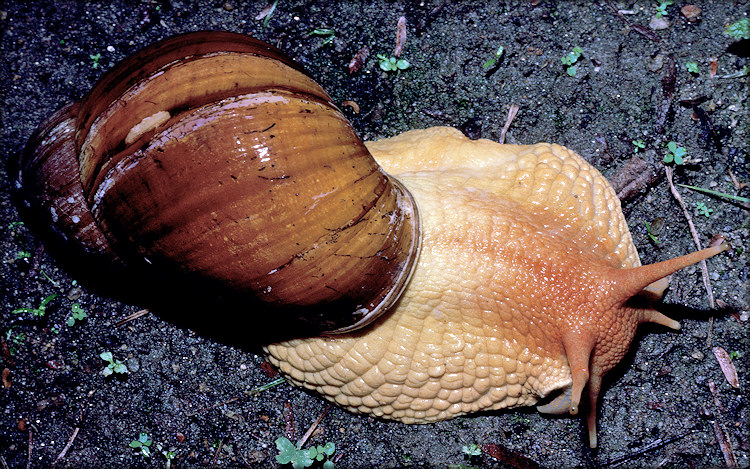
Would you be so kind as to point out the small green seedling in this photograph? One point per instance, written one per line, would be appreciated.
(39, 311)
(299, 458)
(639, 145)
(329, 34)
(22, 255)
(661, 10)
(692, 67)
(391, 64)
(675, 154)
(735, 354)
(15, 341)
(493, 60)
(96, 59)
(114, 366)
(13, 227)
(739, 29)
(649, 233)
(472, 450)
(142, 444)
(76, 314)
(169, 455)
(570, 59)
(703, 209)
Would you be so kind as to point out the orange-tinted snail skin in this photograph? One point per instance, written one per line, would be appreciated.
(478, 276)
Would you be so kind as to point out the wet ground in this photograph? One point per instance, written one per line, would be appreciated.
(188, 391)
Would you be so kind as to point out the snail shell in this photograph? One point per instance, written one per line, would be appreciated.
(214, 157)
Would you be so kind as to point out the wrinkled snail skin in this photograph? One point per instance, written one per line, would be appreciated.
(521, 289)
(452, 275)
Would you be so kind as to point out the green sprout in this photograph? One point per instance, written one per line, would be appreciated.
(570, 59)
(265, 387)
(661, 10)
(692, 67)
(268, 15)
(472, 450)
(76, 314)
(650, 233)
(142, 444)
(299, 458)
(114, 366)
(703, 209)
(96, 59)
(735, 354)
(329, 34)
(493, 60)
(675, 154)
(40, 311)
(716, 193)
(639, 145)
(23, 255)
(739, 29)
(391, 64)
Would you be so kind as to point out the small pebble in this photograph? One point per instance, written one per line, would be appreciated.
(658, 23)
(655, 64)
(692, 13)
(698, 355)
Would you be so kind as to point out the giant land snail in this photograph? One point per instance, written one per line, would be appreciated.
(433, 275)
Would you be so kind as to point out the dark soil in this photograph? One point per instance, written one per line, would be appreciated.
(187, 391)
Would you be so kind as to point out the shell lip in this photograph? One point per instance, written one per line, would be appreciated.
(408, 204)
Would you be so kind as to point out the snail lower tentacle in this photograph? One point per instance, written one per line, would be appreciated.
(457, 275)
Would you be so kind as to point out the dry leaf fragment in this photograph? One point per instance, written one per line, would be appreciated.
(264, 12)
(737, 184)
(6, 378)
(358, 61)
(400, 36)
(730, 373)
(713, 66)
(351, 104)
(509, 457)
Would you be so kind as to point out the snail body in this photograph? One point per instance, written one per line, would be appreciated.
(253, 180)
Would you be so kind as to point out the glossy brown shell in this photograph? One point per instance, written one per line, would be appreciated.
(213, 156)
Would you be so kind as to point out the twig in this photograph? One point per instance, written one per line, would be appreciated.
(288, 414)
(75, 430)
(312, 427)
(511, 115)
(132, 317)
(725, 444)
(66, 448)
(636, 27)
(211, 407)
(31, 448)
(717, 400)
(656, 444)
(697, 241)
(3, 462)
(216, 454)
